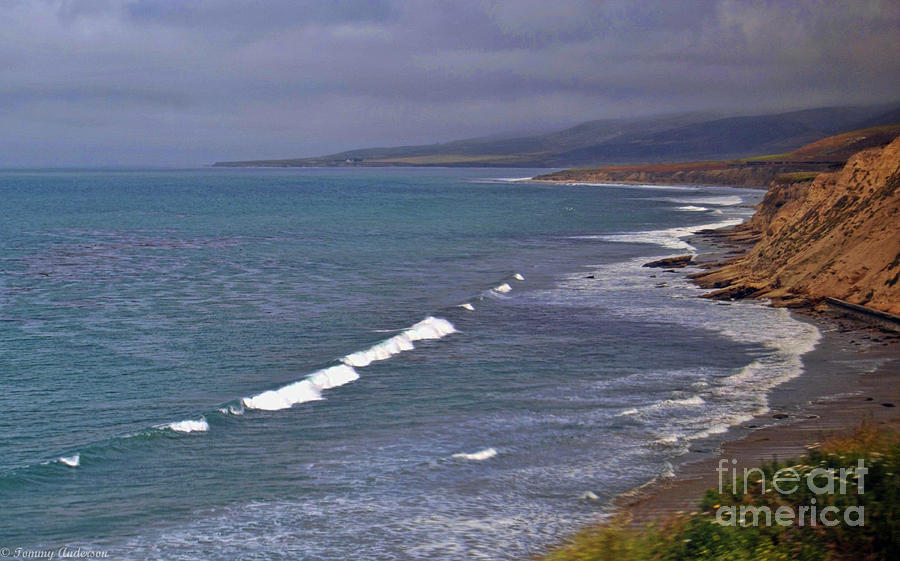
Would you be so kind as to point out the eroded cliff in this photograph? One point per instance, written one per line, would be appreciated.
(837, 236)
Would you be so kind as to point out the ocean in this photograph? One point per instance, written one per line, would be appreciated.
(351, 363)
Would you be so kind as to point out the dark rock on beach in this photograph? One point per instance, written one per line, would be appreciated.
(678, 262)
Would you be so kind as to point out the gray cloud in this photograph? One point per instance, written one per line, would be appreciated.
(253, 14)
(185, 82)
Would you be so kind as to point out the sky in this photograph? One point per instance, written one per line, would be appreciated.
(190, 82)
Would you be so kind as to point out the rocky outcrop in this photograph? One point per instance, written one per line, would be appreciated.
(677, 262)
(836, 236)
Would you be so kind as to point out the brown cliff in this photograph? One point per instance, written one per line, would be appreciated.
(837, 236)
(693, 173)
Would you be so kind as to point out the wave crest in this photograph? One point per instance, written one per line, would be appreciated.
(71, 461)
(429, 328)
(188, 425)
(485, 454)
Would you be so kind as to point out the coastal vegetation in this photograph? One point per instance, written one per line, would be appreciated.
(794, 177)
(870, 495)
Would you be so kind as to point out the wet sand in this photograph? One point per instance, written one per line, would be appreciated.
(853, 376)
(862, 400)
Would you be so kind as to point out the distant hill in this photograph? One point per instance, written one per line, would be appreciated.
(672, 138)
(827, 154)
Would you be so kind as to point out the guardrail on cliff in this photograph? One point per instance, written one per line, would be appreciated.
(876, 317)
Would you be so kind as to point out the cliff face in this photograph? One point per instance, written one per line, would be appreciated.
(744, 176)
(835, 236)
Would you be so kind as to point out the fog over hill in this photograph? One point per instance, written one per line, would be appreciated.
(687, 136)
(175, 83)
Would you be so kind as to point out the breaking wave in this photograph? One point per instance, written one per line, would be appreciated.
(429, 328)
(71, 461)
(485, 454)
(719, 401)
(232, 410)
(724, 200)
(284, 397)
(670, 238)
(693, 401)
(311, 387)
(189, 425)
(687, 402)
(633, 186)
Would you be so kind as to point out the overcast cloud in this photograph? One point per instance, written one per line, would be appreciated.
(181, 82)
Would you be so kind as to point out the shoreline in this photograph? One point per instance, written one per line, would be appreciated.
(791, 436)
(845, 400)
(851, 378)
(664, 182)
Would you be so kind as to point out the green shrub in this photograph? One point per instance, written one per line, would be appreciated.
(701, 537)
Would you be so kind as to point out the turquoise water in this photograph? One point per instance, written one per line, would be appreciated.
(533, 369)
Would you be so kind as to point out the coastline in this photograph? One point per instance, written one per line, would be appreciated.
(666, 180)
(794, 253)
(851, 400)
(827, 398)
(851, 377)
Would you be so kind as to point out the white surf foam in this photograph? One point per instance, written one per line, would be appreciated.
(485, 454)
(71, 461)
(429, 328)
(503, 288)
(308, 389)
(730, 397)
(311, 387)
(381, 351)
(333, 377)
(517, 276)
(232, 410)
(692, 208)
(634, 186)
(671, 238)
(693, 401)
(467, 306)
(789, 338)
(720, 428)
(725, 200)
(668, 472)
(284, 397)
(189, 425)
(687, 402)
